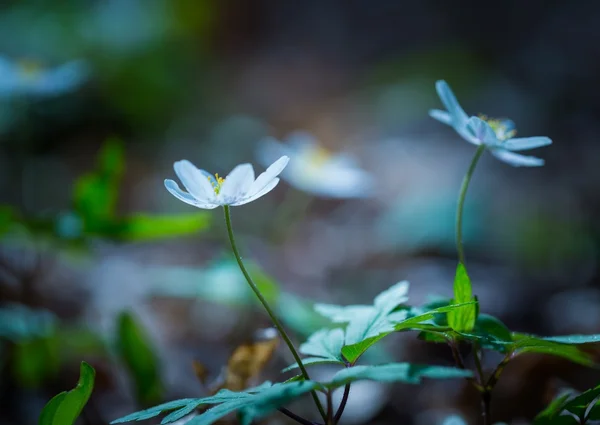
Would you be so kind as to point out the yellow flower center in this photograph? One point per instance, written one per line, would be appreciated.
(500, 128)
(317, 156)
(29, 69)
(216, 182)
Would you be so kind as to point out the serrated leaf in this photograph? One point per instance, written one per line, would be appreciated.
(463, 319)
(353, 352)
(256, 402)
(137, 353)
(368, 322)
(395, 372)
(65, 407)
(310, 361)
(325, 345)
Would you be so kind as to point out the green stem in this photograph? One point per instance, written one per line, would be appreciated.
(268, 309)
(461, 202)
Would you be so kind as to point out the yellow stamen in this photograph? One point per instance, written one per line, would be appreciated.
(216, 182)
(318, 156)
(29, 69)
(499, 127)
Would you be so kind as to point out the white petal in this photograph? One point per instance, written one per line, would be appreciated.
(269, 187)
(455, 111)
(524, 143)
(269, 149)
(441, 116)
(236, 184)
(517, 160)
(194, 181)
(270, 173)
(173, 187)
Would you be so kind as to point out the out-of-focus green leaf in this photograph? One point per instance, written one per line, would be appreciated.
(141, 227)
(64, 408)
(7, 217)
(551, 411)
(463, 319)
(137, 353)
(395, 372)
(95, 194)
(580, 403)
(35, 360)
(253, 403)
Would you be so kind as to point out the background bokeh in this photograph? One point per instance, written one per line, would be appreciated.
(99, 98)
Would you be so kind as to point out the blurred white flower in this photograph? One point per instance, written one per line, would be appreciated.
(31, 78)
(239, 187)
(315, 170)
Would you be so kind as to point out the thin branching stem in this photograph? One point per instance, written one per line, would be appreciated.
(268, 309)
(295, 417)
(329, 407)
(342, 406)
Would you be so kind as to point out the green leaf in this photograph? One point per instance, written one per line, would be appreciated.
(579, 403)
(554, 409)
(400, 323)
(254, 403)
(138, 355)
(574, 339)
(65, 407)
(326, 343)
(492, 327)
(368, 323)
(490, 333)
(532, 344)
(35, 360)
(463, 319)
(395, 372)
(326, 347)
(141, 227)
(95, 194)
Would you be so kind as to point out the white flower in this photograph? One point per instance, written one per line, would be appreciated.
(316, 170)
(497, 135)
(239, 187)
(30, 78)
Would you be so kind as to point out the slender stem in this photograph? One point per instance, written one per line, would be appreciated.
(476, 352)
(268, 309)
(461, 202)
(493, 379)
(486, 405)
(459, 362)
(329, 407)
(485, 391)
(295, 417)
(342, 405)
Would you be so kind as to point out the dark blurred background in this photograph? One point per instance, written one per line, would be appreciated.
(99, 98)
